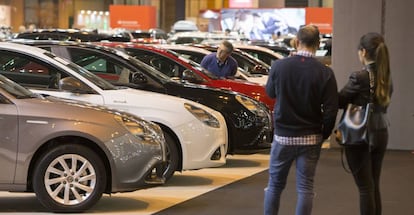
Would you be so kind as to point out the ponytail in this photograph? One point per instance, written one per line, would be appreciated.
(383, 80)
(377, 51)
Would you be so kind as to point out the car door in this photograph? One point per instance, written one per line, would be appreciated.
(8, 140)
(42, 77)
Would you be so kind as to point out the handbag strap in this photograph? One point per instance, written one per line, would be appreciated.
(371, 86)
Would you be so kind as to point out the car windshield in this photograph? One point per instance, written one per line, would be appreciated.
(101, 83)
(147, 67)
(141, 34)
(149, 35)
(15, 89)
(200, 68)
(194, 64)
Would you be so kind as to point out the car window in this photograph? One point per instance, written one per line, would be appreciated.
(91, 61)
(263, 56)
(243, 63)
(164, 64)
(188, 40)
(28, 71)
(13, 88)
(197, 57)
(107, 67)
(141, 34)
(159, 62)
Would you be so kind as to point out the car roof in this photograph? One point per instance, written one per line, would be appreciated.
(72, 35)
(21, 47)
(204, 37)
(258, 48)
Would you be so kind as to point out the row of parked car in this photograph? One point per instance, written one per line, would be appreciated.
(83, 119)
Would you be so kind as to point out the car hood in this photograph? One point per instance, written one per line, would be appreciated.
(142, 103)
(143, 99)
(250, 89)
(52, 107)
(203, 87)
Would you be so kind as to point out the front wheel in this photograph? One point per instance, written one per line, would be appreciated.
(173, 157)
(69, 178)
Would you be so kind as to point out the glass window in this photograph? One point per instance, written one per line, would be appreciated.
(107, 67)
(194, 56)
(159, 62)
(28, 71)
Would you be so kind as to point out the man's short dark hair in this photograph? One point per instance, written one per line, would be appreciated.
(228, 46)
(308, 35)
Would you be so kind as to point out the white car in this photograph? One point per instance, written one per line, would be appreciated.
(196, 54)
(196, 135)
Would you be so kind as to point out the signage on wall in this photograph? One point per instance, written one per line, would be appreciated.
(132, 17)
(263, 24)
(240, 3)
(269, 23)
(321, 17)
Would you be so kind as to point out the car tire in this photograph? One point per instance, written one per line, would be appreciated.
(173, 157)
(59, 188)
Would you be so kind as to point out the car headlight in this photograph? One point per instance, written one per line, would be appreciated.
(145, 130)
(251, 105)
(203, 115)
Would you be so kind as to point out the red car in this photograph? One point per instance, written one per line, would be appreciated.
(180, 68)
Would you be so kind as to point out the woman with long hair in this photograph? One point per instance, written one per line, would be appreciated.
(365, 161)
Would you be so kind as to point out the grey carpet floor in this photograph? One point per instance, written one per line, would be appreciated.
(336, 193)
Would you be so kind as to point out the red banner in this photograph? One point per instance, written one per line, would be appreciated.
(132, 17)
(321, 17)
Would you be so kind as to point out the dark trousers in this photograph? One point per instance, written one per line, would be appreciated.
(365, 163)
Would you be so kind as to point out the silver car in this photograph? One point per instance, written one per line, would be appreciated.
(70, 153)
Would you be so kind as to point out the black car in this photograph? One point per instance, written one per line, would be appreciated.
(248, 121)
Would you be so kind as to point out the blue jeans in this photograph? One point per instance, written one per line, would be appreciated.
(281, 159)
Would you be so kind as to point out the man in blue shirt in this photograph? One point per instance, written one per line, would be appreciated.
(221, 63)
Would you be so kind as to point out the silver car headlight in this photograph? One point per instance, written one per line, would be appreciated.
(251, 105)
(145, 130)
(203, 115)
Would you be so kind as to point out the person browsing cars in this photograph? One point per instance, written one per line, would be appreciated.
(221, 63)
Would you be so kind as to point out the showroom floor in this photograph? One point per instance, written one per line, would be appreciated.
(237, 188)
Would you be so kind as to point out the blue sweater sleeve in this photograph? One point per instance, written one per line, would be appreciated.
(270, 85)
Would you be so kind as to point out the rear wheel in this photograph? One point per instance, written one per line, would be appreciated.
(69, 178)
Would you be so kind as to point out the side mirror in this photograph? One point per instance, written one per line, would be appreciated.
(73, 85)
(138, 78)
(259, 69)
(190, 77)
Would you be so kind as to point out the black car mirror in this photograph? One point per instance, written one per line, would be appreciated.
(73, 85)
(259, 69)
(138, 78)
(190, 77)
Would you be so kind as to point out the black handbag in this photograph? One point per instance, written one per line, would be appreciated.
(353, 127)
